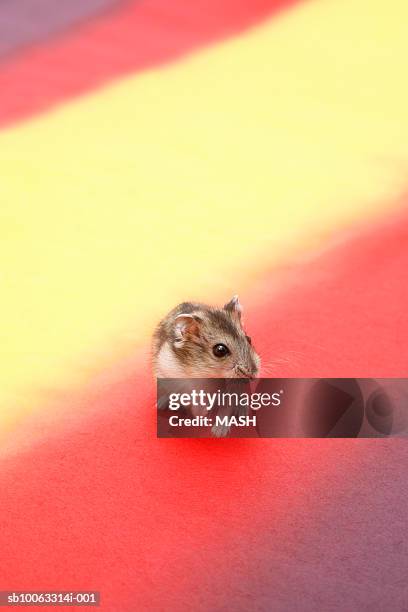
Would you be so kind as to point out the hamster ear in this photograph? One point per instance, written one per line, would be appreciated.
(187, 325)
(234, 308)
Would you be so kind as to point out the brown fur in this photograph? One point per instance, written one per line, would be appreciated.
(183, 346)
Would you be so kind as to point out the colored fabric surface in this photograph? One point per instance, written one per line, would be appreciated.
(153, 152)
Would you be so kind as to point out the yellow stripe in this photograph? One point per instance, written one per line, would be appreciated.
(181, 182)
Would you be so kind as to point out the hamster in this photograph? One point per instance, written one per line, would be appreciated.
(199, 341)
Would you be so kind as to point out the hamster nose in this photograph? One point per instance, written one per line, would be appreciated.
(244, 373)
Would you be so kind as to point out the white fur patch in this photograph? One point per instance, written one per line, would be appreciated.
(167, 364)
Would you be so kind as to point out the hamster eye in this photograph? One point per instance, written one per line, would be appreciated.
(248, 339)
(220, 350)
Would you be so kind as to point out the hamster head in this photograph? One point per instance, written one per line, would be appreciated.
(211, 342)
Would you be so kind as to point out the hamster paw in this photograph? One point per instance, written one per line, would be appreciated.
(220, 431)
(163, 402)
